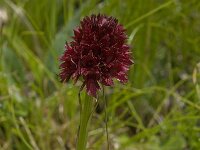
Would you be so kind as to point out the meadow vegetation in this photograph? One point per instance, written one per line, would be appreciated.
(159, 108)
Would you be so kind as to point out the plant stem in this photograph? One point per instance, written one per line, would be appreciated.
(84, 123)
(106, 119)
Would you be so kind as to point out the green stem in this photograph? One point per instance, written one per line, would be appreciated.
(84, 123)
(106, 119)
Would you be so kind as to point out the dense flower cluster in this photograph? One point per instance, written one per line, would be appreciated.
(98, 53)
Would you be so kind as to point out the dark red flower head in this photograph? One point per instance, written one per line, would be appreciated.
(98, 53)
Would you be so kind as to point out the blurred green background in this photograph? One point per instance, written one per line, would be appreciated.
(159, 109)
